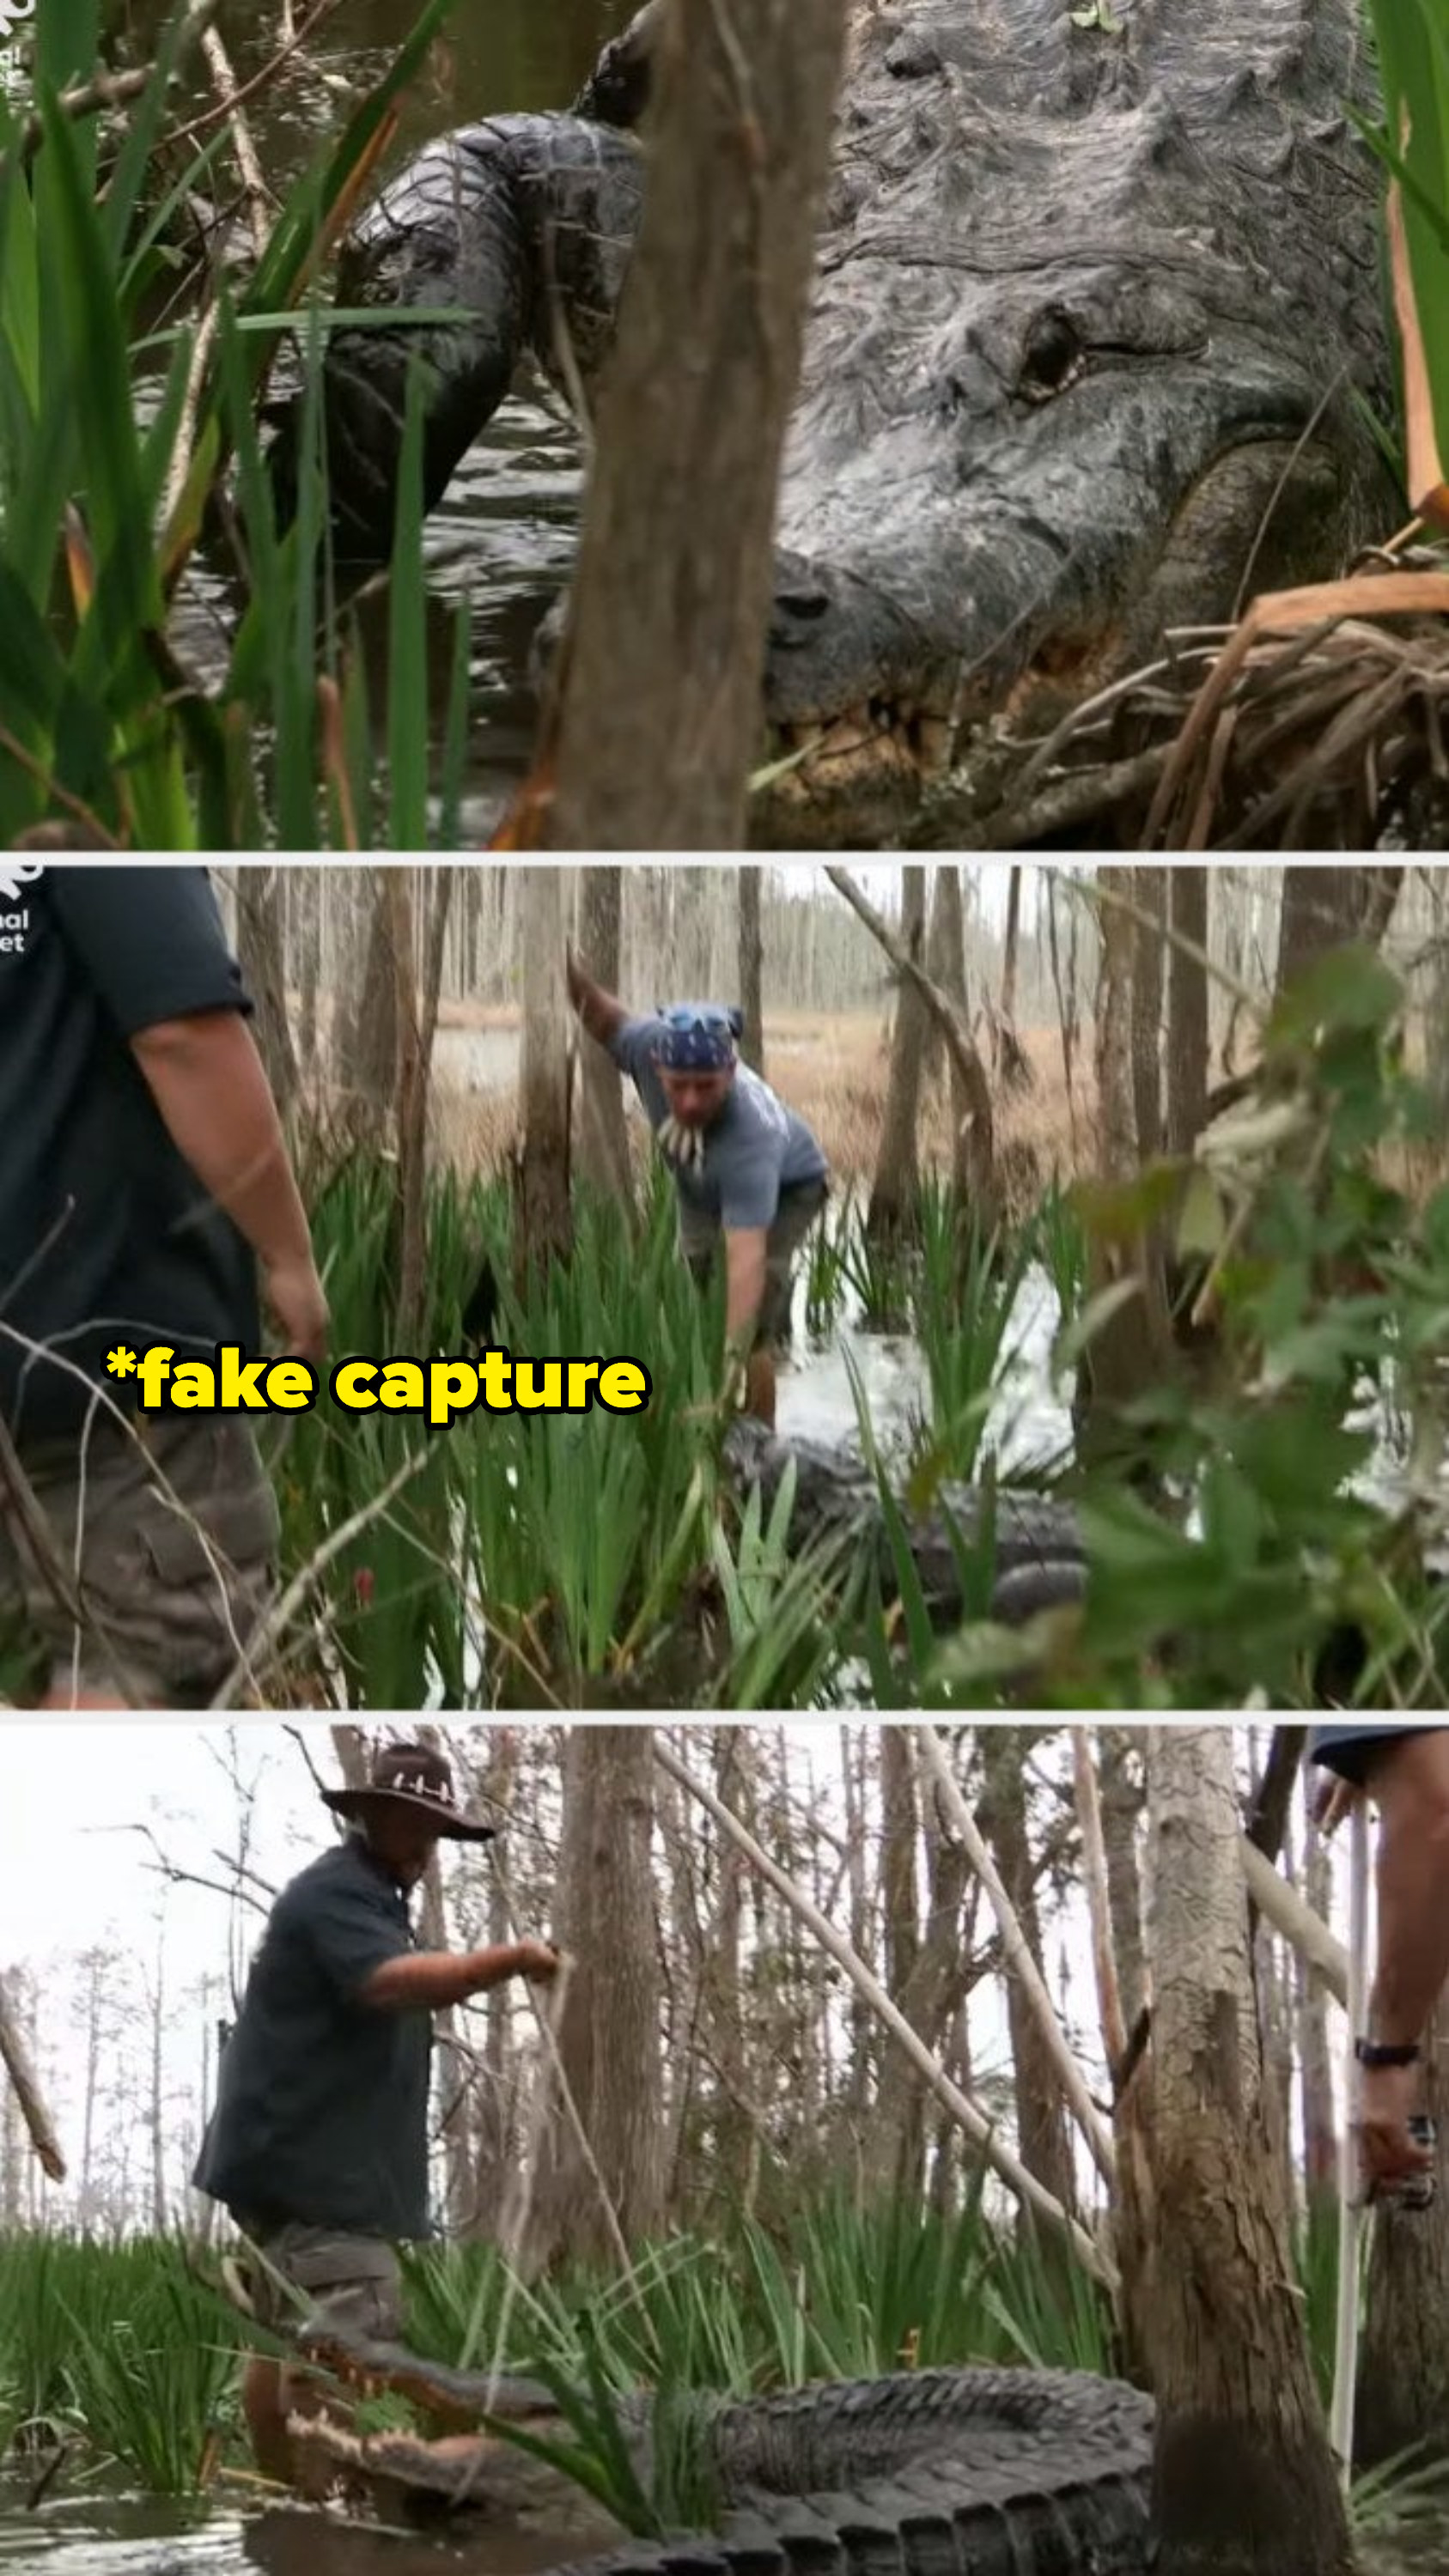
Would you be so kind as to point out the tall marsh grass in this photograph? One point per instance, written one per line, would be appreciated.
(124, 2344)
(102, 511)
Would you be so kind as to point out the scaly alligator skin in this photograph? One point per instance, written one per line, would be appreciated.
(919, 2473)
(1091, 306)
(1039, 1560)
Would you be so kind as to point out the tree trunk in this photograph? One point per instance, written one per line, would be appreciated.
(1187, 1046)
(603, 1134)
(1133, 1342)
(1117, 1155)
(158, 2091)
(945, 959)
(1148, 944)
(1402, 2395)
(1326, 908)
(1120, 1793)
(973, 1144)
(260, 953)
(659, 712)
(303, 886)
(18, 2055)
(609, 2033)
(452, 2082)
(1244, 2481)
(900, 1919)
(543, 1216)
(1041, 2126)
(896, 1186)
(736, 2155)
(751, 947)
(1009, 948)
(367, 1052)
(1436, 1014)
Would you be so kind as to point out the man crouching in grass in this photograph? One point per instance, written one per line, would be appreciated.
(318, 2144)
(744, 1166)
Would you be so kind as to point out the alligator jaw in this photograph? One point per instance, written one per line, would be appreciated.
(976, 700)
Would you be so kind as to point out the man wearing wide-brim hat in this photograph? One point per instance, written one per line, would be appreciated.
(318, 2142)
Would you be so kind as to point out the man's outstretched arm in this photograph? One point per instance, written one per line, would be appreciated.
(602, 1014)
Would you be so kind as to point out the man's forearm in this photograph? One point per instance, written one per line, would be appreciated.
(209, 1084)
(744, 1290)
(433, 1979)
(602, 1014)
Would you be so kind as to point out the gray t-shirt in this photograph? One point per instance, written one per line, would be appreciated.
(753, 1150)
(321, 2111)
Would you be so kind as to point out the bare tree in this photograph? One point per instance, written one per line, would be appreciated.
(1041, 2126)
(1325, 908)
(751, 965)
(1150, 890)
(609, 2034)
(543, 1217)
(1243, 2476)
(261, 955)
(1187, 1051)
(603, 1136)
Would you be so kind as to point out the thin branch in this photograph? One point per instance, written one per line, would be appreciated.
(22, 2075)
(1023, 2185)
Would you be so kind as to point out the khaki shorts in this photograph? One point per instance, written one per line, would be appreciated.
(351, 2280)
(177, 1579)
(798, 1209)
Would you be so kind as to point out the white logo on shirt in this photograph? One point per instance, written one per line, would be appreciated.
(14, 873)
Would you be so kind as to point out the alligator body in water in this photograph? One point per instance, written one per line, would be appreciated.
(976, 2472)
(1093, 306)
(1031, 1546)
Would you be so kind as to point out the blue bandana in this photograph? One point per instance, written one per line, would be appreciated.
(699, 1037)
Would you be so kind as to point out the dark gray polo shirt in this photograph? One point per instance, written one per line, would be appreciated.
(106, 1234)
(322, 2102)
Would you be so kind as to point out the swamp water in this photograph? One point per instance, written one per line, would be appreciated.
(114, 2534)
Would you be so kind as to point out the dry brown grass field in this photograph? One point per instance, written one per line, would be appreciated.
(833, 1070)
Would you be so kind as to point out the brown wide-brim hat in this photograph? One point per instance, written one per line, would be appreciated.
(415, 1777)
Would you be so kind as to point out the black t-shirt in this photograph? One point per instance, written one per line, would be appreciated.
(322, 2102)
(106, 1233)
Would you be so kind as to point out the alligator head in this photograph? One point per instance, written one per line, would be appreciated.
(1091, 304)
(1095, 297)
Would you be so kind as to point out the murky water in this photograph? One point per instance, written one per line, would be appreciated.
(143, 2536)
(503, 541)
(105, 2532)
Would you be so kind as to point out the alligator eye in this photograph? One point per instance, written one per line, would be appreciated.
(1052, 359)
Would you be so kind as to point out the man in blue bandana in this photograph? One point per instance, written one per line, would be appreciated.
(745, 1167)
(1405, 1771)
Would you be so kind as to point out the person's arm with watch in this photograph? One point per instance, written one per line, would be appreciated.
(1412, 1877)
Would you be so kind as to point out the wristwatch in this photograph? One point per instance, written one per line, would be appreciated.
(1373, 2052)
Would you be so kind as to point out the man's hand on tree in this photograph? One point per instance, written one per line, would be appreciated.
(538, 1961)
